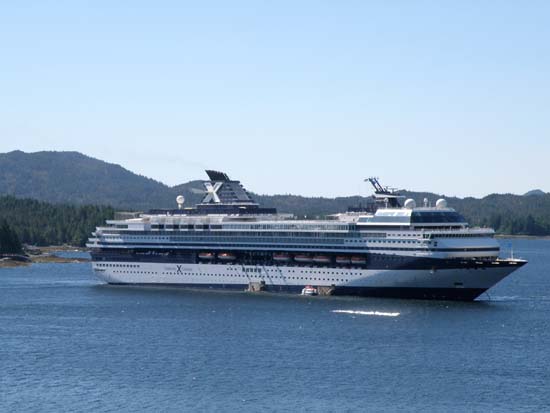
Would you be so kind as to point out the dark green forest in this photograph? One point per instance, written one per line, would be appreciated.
(41, 223)
(9, 241)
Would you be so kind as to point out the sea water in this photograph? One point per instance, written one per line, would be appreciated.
(70, 343)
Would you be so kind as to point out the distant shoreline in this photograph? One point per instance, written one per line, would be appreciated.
(54, 248)
(43, 259)
(41, 255)
(523, 236)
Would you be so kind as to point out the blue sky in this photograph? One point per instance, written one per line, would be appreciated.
(304, 97)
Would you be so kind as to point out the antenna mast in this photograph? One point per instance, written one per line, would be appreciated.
(379, 189)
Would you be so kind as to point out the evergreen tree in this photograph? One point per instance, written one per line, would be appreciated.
(39, 223)
(9, 241)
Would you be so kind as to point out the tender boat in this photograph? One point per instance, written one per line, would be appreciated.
(309, 290)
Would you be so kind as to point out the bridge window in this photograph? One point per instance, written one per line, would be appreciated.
(436, 217)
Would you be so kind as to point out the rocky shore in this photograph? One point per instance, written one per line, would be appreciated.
(33, 255)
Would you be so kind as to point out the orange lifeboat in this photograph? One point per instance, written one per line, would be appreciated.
(302, 258)
(342, 260)
(226, 256)
(358, 260)
(321, 259)
(281, 257)
(206, 256)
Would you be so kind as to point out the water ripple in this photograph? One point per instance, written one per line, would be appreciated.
(360, 312)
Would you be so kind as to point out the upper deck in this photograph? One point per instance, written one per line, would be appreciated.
(228, 207)
(423, 222)
(390, 228)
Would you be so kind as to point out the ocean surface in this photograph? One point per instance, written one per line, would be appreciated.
(70, 343)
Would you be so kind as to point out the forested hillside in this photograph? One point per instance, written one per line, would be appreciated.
(9, 241)
(72, 178)
(40, 223)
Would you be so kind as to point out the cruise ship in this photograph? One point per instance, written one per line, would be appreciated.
(389, 248)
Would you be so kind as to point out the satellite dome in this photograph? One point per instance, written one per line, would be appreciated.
(180, 200)
(410, 204)
(441, 203)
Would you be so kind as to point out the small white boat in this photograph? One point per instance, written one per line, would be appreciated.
(309, 290)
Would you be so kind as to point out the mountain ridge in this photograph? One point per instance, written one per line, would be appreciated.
(535, 192)
(75, 178)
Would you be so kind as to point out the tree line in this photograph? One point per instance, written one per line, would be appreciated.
(9, 240)
(28, 221)
(40, 223)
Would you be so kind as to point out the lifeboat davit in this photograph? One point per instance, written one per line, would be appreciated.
(302, 258)
(309, 290)
(281, 257)
(321, 259)
(226, 256)
(342, 260)
(358, 260)
(206, 256)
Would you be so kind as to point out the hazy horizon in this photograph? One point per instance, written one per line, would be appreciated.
(306, 98)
